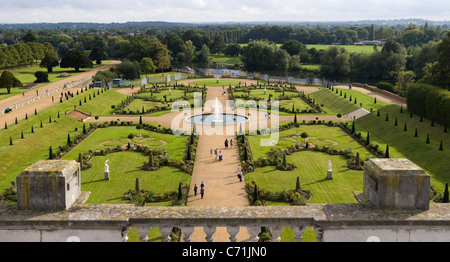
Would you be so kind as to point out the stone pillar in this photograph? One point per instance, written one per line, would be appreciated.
(49, 185)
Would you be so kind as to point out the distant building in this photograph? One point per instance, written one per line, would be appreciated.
(370, 43)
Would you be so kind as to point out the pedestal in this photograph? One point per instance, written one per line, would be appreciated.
(330, 175)
(106, 175)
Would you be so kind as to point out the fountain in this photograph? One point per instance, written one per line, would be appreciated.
(217, 118)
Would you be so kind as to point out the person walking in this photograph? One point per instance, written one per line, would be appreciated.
(211, 151)
(215, 153)
(202, 191)
(231, 143)
(220, 156)
(202, 185)
(226, 143)
(195, 190)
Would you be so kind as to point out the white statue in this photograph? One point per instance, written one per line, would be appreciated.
(106, 166)
(329, 166)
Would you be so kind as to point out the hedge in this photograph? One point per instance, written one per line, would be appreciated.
(429, 101)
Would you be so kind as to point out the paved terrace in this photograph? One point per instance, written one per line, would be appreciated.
(332, 222)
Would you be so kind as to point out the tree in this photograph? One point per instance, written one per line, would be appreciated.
(298, 188)
(203, 55)
(49, 61)
(232, 49)
(386, 154)
(8, 81)
(75, 59)
(97, 54)
(335, 62)
(147, 66)
(446, 199)
(218, 43)
(129, 70)
(439, 72)
(50, 153)
(41, 77)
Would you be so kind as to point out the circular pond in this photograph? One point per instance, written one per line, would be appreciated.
(217, 119)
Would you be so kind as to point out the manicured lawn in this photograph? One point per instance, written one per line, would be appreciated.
(404, 144)
(100, 105)
(334, 103)
(124, 169)
(297, 102)
(319, 135)
(35, 146)
(222, 82)
(117, 136)
(259, 93)
(312, 170)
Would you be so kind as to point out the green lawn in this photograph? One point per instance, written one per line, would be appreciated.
(297, 102)
(222, 82)
(312, 170)
(117, 136)
(334, 103)
(404, 144)
(35, 146)
(124, 169)
(319, 135)
(100, 105)
(349, 48)
(222, 59)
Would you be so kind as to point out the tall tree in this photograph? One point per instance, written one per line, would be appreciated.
(75, 59)
(8, 81)
(50, 60)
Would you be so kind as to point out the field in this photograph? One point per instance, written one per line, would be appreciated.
(349, 48)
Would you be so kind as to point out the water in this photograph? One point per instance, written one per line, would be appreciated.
(217, 119)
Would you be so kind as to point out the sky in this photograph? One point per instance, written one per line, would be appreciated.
(200, 11)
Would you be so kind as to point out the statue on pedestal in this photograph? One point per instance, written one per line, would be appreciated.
(106, 170)
(330, 171)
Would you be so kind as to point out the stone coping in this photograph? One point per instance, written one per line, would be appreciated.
(311, 214)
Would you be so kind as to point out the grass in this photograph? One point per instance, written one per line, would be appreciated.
(297, 102)
(349, 48)
(334, 104)
(222, 82)
(100, 107)
(117, 136)
(26, 76)
(125, 168)
(319, 135)
(401, 144)
(222, 59)
(312, 170)
(404, 144)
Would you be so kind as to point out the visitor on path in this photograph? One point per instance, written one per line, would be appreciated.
(195, 190)
(220, 156)
(202, 185)
(211, 151)
(215, 153)
(226, 143)
(231, 143)
(240, 176)
(202, 191)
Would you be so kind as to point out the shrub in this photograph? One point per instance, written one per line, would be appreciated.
(385, 86)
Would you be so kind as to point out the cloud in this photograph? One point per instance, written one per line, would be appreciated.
(23, 11)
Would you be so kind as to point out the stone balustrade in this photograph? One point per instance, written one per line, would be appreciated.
(331, 222)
